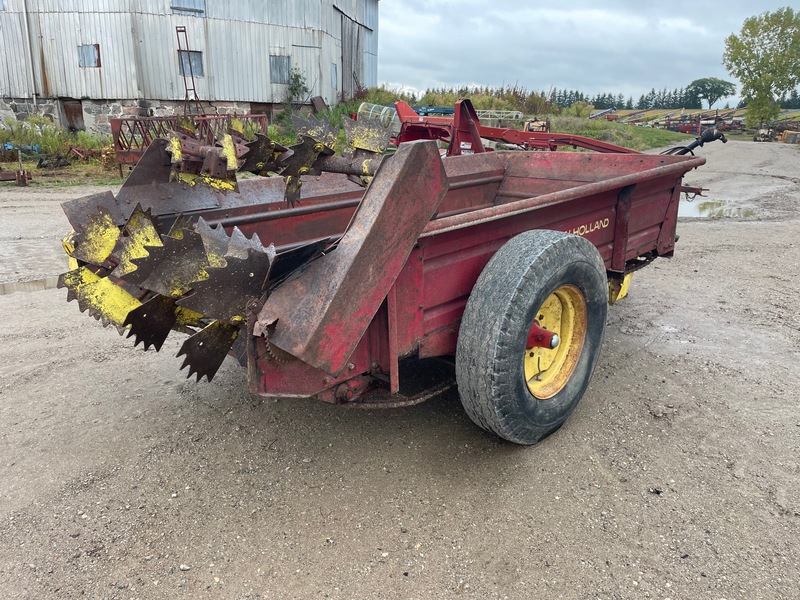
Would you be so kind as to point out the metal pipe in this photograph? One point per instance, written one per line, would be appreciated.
(28, 51)
(478, 181)
(274, 215)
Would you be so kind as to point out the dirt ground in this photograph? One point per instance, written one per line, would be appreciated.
(678, 476)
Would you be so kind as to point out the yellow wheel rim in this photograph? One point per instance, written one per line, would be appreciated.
(563, 313)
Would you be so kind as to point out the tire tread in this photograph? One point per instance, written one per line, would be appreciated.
(493, 318)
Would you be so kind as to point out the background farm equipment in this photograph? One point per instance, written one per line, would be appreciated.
(782, 130)
(765, 134)
(505, 260)
(608, 114)
(20, 176)
(535, 124)
(133, 135)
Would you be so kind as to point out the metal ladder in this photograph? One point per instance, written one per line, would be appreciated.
(191, 102)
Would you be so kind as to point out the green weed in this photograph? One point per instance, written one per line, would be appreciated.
(50, 137)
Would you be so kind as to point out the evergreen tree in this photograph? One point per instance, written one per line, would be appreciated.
(793, 101)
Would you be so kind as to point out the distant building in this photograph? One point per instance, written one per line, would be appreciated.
(83, 61)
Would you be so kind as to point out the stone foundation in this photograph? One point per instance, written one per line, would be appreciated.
(21, 109)
(96, 113)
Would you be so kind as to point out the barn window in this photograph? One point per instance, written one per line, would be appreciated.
(191, 63)
(189, 7)
(278, 69)
(89, 56)
(335, 76)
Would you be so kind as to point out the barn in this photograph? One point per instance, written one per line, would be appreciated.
(85, 61)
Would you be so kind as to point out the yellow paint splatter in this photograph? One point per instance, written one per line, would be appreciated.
(174, 148)
(68, 243)
(98, 241)
(187, 318)
(109, 301)
(141, 233)
(225, 185)
(99, 295)
(229, 152)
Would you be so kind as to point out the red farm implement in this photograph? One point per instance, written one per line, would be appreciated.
(501, 262)
(133, 135)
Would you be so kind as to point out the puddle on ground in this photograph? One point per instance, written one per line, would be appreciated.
(36, 285)
(709, 209)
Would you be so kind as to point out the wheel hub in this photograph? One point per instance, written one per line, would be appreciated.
(555, 342)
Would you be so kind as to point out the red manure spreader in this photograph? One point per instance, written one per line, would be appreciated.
(502, 262)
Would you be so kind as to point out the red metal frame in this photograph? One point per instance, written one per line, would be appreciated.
(133, 135)
(463, 132)
(411, 302)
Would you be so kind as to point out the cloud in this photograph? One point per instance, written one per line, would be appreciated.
(624, 47)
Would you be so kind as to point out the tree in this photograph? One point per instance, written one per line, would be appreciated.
(297, 91)
(711, 88)
(793, 101)
(765, 57)
(691, 99)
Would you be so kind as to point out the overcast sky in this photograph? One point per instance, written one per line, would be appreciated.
(618, 46)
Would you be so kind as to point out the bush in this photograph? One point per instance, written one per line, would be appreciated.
(579, 109)
(49, 137)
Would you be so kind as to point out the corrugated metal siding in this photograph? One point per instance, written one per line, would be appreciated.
(14, 78)
(102, 6)
(371, 49)
(294, 13)
(364, 13)
(56, 66)
(138, 47)
(370, 62)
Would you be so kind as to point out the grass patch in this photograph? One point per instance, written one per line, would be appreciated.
(39, 137)
(77, 173)
(48, 137)
(628, 136)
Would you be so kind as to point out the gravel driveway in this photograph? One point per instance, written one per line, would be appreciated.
(677, 477)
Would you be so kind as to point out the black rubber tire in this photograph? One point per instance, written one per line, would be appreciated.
(494, 330)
